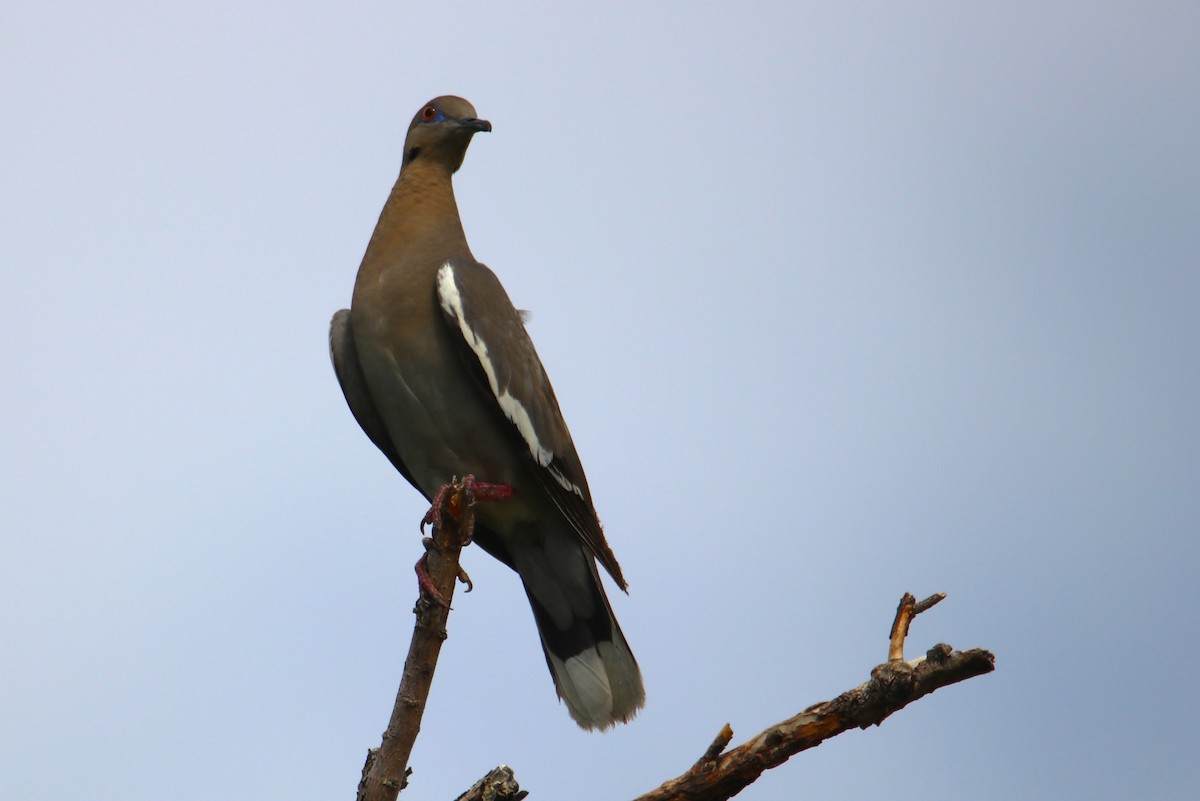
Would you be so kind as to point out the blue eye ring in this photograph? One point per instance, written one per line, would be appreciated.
(431, 114)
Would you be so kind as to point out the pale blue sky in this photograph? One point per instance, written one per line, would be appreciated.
(840, 301)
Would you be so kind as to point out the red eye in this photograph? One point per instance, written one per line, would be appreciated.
(428, 113)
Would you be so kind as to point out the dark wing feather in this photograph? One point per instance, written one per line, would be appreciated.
(500, 353)
(349, 372)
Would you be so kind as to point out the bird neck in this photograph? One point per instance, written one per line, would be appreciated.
(420, 214)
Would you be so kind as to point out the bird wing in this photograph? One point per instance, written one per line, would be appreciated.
(496, 346)
(344, 355)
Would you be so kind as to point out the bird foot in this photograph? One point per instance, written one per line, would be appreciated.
(452, 498)
(447, 497)
(425, 582)
(482, 491)
(429, 590)
(434, 515)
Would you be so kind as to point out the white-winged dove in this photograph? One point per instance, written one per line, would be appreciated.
(439, 371)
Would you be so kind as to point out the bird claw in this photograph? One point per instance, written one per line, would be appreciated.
(434, 515)
(472, 492)
(447, 498)
(425, 581)
(429, 590)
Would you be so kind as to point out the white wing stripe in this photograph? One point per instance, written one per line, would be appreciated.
(452, 305)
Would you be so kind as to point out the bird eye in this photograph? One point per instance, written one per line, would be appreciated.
(428, 113)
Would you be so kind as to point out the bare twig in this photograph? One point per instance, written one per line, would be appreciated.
(929, 603)
(713, 752)
(905, 612)
(892, 686)
(386, 768)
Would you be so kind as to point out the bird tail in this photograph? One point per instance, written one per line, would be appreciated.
(594, 670)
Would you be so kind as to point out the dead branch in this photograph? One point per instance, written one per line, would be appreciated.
(385, 772)
(498, 785)
(892, 686)
(905, 612)
(717, 774)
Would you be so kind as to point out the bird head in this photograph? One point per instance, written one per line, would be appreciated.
(441, 131)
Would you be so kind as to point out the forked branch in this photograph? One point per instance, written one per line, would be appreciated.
(718, 774)
(893, 685)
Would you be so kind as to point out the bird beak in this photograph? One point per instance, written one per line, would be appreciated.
(473, 125)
